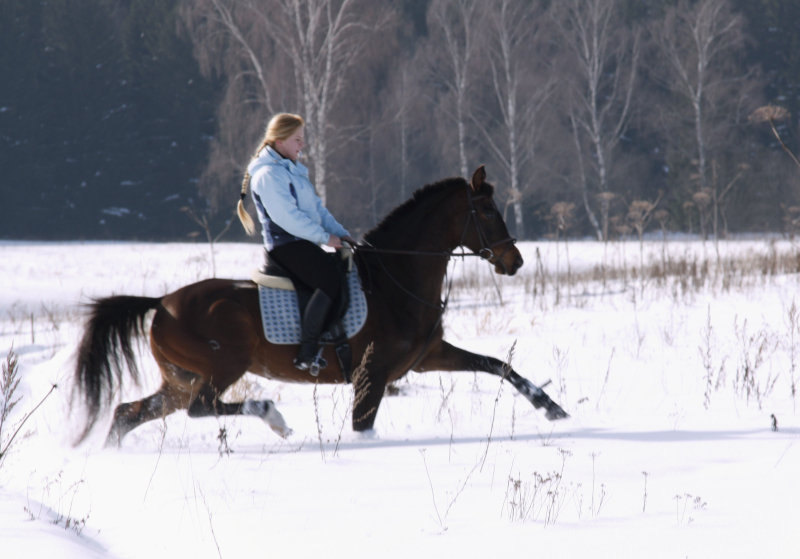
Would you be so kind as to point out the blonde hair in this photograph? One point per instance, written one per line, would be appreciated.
(280, 127)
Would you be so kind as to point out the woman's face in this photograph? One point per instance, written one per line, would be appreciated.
(291, 146)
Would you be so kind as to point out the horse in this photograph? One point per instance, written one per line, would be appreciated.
(206, 335)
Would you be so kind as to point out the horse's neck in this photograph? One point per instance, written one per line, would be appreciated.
(424, 235)
(415, 259)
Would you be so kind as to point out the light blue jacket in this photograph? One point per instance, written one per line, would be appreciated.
(287, 204)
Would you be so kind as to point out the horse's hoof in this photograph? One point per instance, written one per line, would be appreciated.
(555, 413)
(276, 422)
(113, 439)
(284, 432)
(367, 434)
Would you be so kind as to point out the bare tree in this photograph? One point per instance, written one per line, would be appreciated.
(456, 20)
(605, 199)
(521, 85)
(322, 38)
(604, 56)
(719, 193)
(402, 105)
(227, 43)
(290, 54)
(702, 201)
(699, 42)
(402, 116)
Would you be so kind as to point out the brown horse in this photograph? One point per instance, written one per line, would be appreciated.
(206, 335)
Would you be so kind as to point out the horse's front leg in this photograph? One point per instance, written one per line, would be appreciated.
(447, 357)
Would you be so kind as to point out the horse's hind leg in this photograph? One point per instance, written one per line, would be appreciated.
(204, 403)
(130, 415)
(207, 403)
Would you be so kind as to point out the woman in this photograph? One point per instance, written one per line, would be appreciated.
(295, 224)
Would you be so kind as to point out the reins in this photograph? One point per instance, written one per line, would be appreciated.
(376, 250)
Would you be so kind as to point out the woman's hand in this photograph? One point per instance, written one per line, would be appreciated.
(336, 242)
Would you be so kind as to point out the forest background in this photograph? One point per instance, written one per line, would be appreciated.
(134, 119)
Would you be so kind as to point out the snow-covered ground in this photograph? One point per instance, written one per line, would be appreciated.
(669, 452)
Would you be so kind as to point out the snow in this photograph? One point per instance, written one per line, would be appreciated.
(669, 450)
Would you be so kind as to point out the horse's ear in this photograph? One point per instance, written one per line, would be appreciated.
(478, 177)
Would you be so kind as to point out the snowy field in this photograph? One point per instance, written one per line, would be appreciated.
(671, 378)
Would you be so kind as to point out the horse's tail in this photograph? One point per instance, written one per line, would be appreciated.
(107, 342)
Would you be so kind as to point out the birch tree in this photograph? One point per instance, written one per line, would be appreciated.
(455, 20)
(400, 113)
(407, 139)
(521, 86)
(604, 56)
(403, 116)
(697, 41)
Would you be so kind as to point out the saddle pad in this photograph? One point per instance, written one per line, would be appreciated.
(281, 317)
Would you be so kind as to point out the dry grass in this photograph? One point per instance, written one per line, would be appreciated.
(9, 385)
(681, 276)
(739, 354)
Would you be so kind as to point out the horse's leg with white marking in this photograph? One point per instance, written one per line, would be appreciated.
(447, 357)
(207, 403)
(130, 415)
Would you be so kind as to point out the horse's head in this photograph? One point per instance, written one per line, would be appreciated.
(486, 233)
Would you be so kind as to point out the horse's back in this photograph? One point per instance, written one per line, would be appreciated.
(212, 309)
(207, 292)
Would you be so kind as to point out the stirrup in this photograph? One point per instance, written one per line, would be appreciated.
(313, 366)
(316, 365)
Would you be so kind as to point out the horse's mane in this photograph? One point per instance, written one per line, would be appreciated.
(420, 198)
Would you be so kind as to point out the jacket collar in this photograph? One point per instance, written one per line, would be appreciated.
(269, 156)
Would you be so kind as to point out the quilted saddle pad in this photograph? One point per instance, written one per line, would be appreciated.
(281, 316)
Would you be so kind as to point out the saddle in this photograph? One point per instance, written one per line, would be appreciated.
(283, 301)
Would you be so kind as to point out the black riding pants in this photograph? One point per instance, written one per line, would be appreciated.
(309, 264)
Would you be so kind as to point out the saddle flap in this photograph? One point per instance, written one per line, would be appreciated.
(280, 312)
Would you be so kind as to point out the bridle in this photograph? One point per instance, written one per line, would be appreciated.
(487, 249)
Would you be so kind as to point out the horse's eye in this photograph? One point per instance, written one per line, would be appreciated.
(488, 210)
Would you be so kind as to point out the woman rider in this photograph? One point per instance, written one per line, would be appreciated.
(294, 225)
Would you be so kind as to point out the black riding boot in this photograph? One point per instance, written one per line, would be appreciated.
(311, 329)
